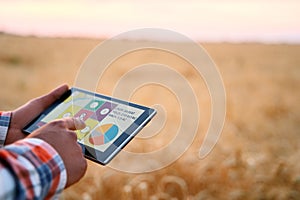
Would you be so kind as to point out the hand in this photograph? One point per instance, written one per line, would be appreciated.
(61, 136)
(26, 113)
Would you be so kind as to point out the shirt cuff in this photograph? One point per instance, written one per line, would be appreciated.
(47, 175)
(4, 124)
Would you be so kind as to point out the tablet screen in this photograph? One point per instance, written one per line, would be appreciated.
(106, 119)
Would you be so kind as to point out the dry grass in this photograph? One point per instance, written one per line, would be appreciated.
(257, 155)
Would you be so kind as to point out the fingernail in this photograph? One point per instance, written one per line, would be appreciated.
(79, 123)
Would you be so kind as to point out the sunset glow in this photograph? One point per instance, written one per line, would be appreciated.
(265, 21)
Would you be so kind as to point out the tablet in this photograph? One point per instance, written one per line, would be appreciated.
(110, 123)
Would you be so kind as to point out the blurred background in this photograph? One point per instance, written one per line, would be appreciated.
(255, 45)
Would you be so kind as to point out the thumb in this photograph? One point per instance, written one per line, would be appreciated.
(34, 107)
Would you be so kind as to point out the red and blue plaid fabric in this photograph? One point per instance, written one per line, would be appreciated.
(4, 123)
(30, 169)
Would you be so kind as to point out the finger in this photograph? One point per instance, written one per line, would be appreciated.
(79, 124)
(46, 100)
(32, 109)
(74, 123)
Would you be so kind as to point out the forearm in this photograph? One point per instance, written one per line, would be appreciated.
(29, 168)
(36, 168)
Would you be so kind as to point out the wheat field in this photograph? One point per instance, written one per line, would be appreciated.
(256, 156)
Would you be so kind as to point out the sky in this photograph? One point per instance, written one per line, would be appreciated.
(269, 21)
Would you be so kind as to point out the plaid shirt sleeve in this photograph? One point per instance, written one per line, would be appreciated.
(4, 123)
(30, 169)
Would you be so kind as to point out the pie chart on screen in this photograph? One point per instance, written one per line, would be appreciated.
(103, 134)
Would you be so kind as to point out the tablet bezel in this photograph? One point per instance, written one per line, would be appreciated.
(123, 139)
